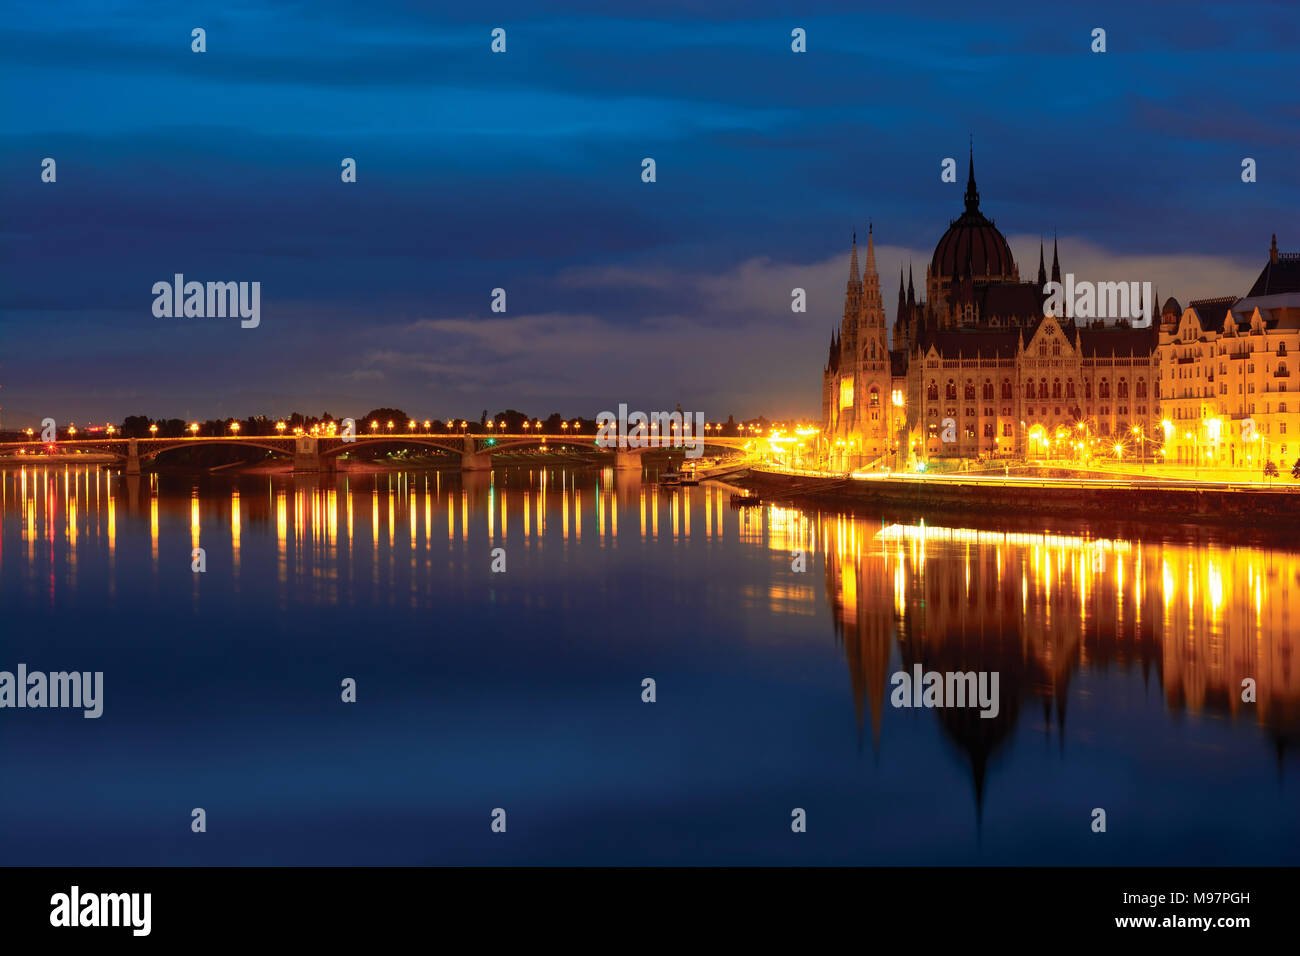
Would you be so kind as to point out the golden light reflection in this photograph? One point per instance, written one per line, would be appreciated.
(235, 531)
(1084, 610)
(1063, 600)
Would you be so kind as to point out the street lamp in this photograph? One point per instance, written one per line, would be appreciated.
(194, 428)
(112, 430)
(279, 426)
(373, 425)
(234, 427)
(390, 425)
(153, 429)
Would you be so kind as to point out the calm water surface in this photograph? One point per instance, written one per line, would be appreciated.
(1120, 663)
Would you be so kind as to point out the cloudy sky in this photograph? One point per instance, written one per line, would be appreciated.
(522, 171)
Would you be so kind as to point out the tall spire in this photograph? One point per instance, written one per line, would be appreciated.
(853, 262)
(1272, 250)
(972, 194)
(1056, 262)
(902, 297)
(871, 253)
(1042, 269)
(911, 292)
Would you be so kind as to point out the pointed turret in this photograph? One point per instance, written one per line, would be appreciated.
(1042, 269)
(1272, 250)
(871, 253)
(911, 290)
(853, 263)
(972, 194)
(1056, 262)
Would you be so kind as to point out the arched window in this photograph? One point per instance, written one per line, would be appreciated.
(1087, 389)
(1056, 388)
(1006, 389)
(1121, 390)
(1069, 388)
(951, 390)
(1029, 390)
(1042, 388)
(1141, 388)
(1103, 389)
(932, 391)
(988, 390)
(874, 398)
(1281, 368)
(970, 391)
(1281, 348)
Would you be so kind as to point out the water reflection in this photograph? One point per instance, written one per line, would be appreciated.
(1040, 608)
(1062, 616)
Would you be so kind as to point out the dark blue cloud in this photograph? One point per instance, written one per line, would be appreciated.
(478, 171)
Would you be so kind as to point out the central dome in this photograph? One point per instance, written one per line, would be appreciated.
(972, 240)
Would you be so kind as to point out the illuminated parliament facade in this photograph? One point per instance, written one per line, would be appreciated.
(977, 368)
(980, 367)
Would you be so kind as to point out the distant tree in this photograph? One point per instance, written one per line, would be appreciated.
(1270, 470)
(1295, 469)
(135, 426)
(398, 417)
(514, 420)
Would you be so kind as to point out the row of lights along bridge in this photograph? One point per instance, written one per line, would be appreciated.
(451, 426)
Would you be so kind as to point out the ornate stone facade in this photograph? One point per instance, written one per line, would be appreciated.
(979, 369)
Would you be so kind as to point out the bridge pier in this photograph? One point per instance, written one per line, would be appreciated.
(625, 460)
(471, 459)
(132, 457)
(307, 457)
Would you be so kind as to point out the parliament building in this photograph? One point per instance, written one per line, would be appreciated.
(978, 368)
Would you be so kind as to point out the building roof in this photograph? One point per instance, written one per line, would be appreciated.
(1115, 340)
(1211, 311)
(1281, 274)
(974, 343)
(972, 242)
(1016, 299)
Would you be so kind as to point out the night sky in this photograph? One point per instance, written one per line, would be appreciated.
(523, 170)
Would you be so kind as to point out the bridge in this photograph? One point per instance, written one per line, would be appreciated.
(314, 453)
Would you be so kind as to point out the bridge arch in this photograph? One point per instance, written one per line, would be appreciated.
(336, 447)
(147, 453)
